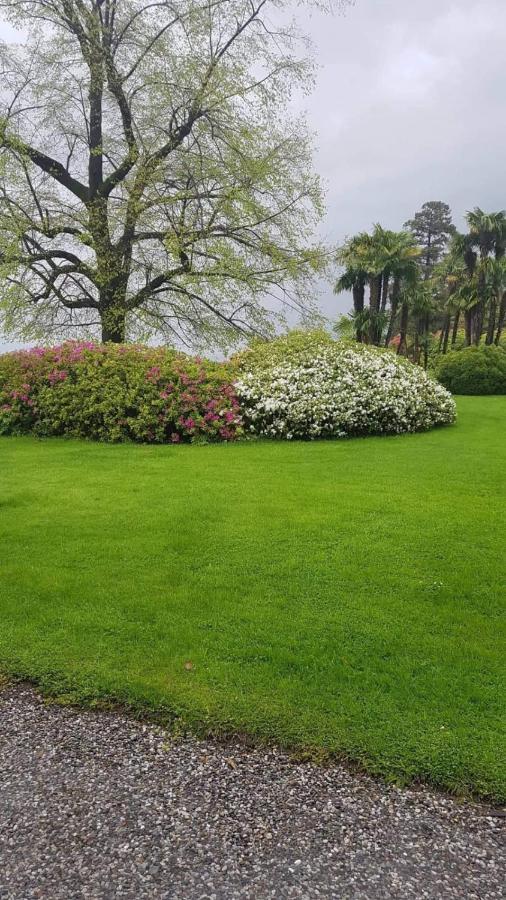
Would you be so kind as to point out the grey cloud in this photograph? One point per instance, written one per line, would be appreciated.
(409, 107)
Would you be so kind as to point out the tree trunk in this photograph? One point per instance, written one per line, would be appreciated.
(403, 345)
(478, 310)
(374, 304)
(394, 305)
(114, 334)
(112, 318)
(384, 292)
(445, 333)
(426, 328)
(358, 304)
(489, 339)
(467, 326)
(476, 323)
(500, 321)
(416, 342)
(455, 330)
(358, 295)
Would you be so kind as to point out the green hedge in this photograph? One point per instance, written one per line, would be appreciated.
(473, 370)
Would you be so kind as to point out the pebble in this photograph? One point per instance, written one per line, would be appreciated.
(96, 806)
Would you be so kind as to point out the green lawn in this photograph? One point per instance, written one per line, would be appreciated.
(345, 596)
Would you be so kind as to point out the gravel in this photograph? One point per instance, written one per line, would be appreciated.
(96, 805)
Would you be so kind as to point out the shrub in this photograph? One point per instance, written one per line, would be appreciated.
(308, 386)
(473, 370)
(117, 392)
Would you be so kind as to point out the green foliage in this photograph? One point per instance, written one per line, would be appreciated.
(285, 349)
(113, 392)
(191, 206)
(473, 370)
(341, 595)
(432, 227)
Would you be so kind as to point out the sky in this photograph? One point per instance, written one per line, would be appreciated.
(408, 106)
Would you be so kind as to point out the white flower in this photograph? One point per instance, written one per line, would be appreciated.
(337, 391)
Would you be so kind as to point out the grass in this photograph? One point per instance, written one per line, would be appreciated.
(345, 597)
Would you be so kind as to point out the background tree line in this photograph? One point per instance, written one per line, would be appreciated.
(428, 287)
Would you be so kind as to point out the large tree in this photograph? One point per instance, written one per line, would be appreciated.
(432, 227)
(151, 180)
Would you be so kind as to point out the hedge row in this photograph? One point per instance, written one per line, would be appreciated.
(473, 370)
(111, 392)
(302, 385)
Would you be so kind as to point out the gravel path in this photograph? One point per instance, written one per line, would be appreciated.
(95, 805)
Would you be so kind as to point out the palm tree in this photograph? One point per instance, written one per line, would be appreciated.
(422, 305)
(379, 260)
(416, 300)
(394, 255)
(354, 277)
(448, 278)
(487, 234)
(495, 289)
(463, 246)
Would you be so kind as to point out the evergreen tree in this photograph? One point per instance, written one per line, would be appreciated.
(432, 228)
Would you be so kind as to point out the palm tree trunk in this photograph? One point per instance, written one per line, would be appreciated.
(374, 304)
(384, 292)
(445, 333)
(478, 310)
(394, 305)
(416, 342)
(500, 321)
(358, 304)
(403, 345)
(426, 328)
(467, 325)
(476, 323)
(455, 329)
(492, 313)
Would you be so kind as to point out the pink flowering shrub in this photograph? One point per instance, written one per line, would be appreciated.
(118, 392)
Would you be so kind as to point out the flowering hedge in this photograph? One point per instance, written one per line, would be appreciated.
(117, 392)
(310, 386)
(304, 385)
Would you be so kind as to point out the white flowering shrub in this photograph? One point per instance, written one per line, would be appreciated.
(293, 388)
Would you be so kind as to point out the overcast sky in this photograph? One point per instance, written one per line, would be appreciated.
(409, 106)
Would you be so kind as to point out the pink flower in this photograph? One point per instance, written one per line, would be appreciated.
(56, 375)
(175, 438)
(189, 397)
(188, 423)
(153, 374)
(19, 395)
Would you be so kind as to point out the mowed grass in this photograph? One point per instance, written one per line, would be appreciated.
(345, 597)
